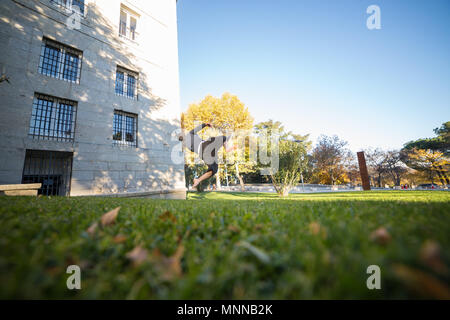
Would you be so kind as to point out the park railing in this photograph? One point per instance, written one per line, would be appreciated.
(312, 188)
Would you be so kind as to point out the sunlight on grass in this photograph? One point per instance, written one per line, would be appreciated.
(212, 247)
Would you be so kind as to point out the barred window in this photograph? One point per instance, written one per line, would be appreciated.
(126, 83)
(70, 4)
(125, 129)
(60, 61)
(52, 169)
(53, 118)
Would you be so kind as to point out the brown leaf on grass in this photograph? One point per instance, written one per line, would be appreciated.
(168, 216)
(381, 236)
(430, 255)
(316, 229)
(234, 229)
(92, 229)
(119, 239)
(422, 283)
(54, 271)
(169, 268)
(109, 218)
(259, 226)
(85, 264)
(137, 256)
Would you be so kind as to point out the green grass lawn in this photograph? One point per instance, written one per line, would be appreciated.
(228, 246)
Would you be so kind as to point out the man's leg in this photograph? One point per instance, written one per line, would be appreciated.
(212, 170)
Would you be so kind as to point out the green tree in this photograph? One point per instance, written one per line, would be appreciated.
(292, 154)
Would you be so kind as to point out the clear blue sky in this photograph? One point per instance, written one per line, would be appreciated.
(314, 65)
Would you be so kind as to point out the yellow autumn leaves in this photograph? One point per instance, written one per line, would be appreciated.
(224, 113)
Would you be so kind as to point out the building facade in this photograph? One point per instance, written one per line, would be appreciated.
(92, 103)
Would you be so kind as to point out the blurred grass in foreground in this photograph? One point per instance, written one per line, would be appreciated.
(228, 246)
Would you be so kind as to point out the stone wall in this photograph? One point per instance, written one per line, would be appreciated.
(99, 167)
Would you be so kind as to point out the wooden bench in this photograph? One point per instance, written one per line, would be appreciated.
(20, 189)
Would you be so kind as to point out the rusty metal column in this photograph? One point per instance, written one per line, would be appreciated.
(363, 171)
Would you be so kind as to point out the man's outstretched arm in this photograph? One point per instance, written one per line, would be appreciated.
(199, 128)
(229, 147)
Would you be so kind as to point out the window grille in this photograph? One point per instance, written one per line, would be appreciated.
(126, 83)
(125, 129)
(53, 118)
(52, 169)
(60, 61)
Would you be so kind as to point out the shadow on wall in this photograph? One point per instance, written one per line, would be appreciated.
(100, 167)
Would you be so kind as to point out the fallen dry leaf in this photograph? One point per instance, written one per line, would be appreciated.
(430, 255)
(54, 271)
(168, 267)
(259, 226)
(168, 216)
(422, 283)
(92, 229)
(316, 229)
(109, 218)
(138, 255)
(119, 239)
(85, 264)
(381, 236)
(234, 229)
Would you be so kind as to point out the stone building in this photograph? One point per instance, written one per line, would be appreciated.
(92, 101)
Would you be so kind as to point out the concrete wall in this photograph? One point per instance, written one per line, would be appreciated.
(99, 167)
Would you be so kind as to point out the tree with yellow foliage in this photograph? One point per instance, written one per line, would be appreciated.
(227, 115)
(427, 160)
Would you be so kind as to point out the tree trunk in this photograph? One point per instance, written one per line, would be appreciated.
(440, 175)
(226, 176)
(398, 180)
(241, 181)
(218, 186)
(444, 174)
(277, 190)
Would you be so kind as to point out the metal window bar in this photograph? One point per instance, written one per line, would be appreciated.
(50, 168)
(131, 86)
(60, 61)
(127, 83)
(125, 129)
(117, 133)
(53, 119)
(70, 4)
(120, 81)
